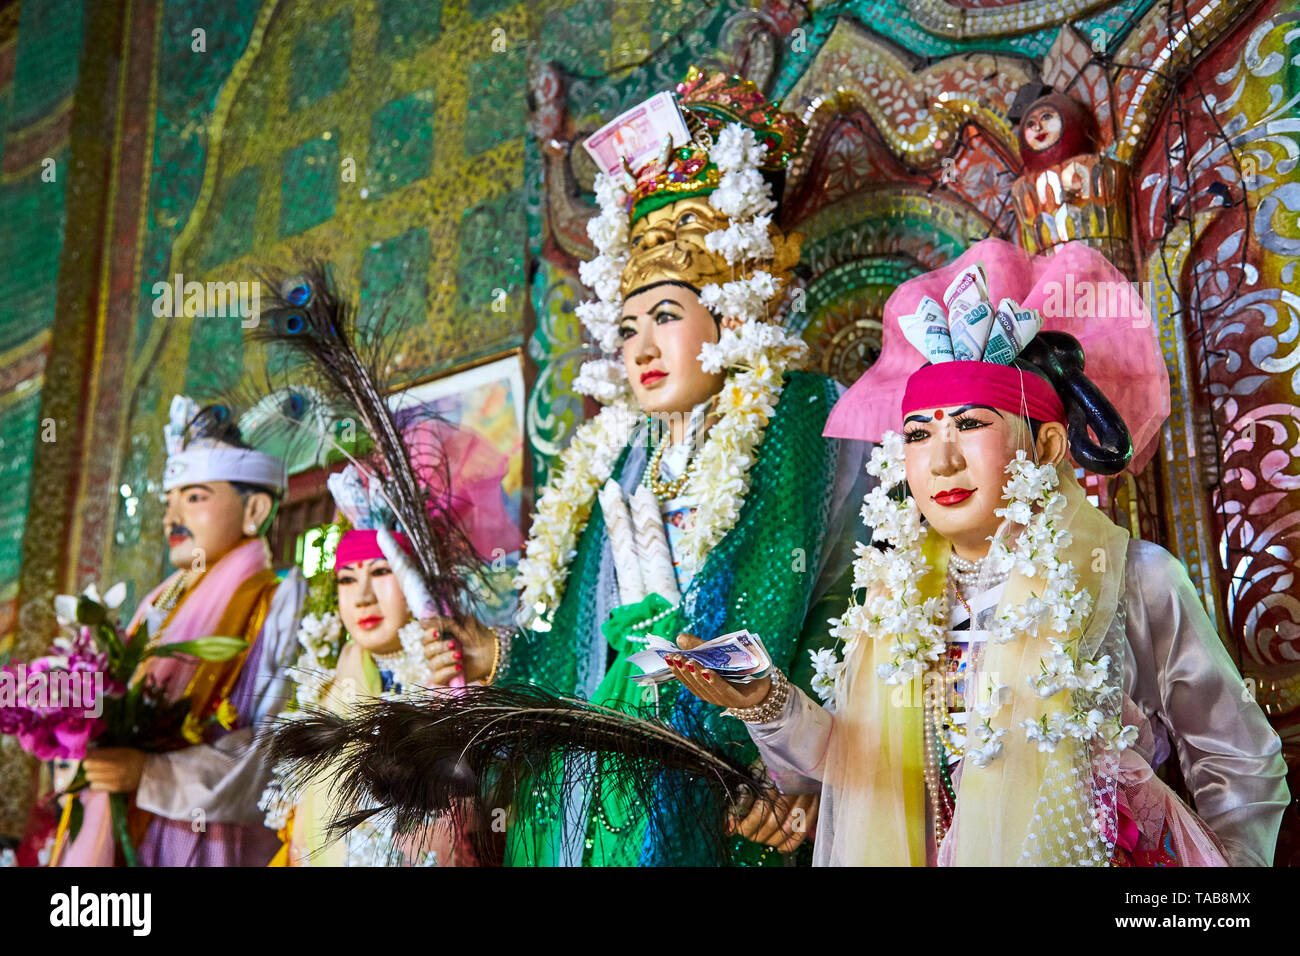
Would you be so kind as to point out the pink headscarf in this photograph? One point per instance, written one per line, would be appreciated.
(359, 544)
(1076, 290)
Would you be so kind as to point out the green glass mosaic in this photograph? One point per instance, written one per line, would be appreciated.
(232, 233)
(19, 431)
(320, 60)
(401, 143)
(579, 33)
(491, 241)
(216, 356)
(309, 184)
(34, 212)
(478, 9)
(891, 19)
(404, 25)
(47, 59)
(497, 89)
(394, 283)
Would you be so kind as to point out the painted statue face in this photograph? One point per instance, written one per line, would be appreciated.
(371, 604)
(663, 328)
(1042, 127)
(956, 461)
(203, 524)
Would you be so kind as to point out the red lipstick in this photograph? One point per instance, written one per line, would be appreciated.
(952, 496)
(370, 623)
(652, 376)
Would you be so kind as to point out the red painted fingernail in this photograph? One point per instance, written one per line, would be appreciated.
(691, 668)
(457, 656)
(451, 645)
(708, 677)
(437, 632)
(459, 668)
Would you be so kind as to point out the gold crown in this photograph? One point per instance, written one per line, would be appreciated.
(668, 206)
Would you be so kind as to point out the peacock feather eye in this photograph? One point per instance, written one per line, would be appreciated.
(295, 323)
(296, 404)
(299, 294)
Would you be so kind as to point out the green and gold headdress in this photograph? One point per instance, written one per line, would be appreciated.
(698, 210)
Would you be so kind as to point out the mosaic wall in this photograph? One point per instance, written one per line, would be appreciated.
(37, 80)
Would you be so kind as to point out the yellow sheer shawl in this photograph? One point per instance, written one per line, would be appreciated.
(1026, 806)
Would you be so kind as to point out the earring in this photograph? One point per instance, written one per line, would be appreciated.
(249, 529)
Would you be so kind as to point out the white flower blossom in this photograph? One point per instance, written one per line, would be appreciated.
(736, 147)
(601, 319)
(827, 669)
(1047, 734)
(742, 240)
(605, 380)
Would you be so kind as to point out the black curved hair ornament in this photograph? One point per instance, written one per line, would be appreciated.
(1059, 357)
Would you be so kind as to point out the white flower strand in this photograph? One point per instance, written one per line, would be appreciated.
(564, 507)
(720, 481)
(609, 232)
(605, 380)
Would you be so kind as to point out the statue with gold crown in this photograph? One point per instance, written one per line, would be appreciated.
(702, 499)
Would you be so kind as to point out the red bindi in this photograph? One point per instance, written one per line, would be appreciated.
(938, 414)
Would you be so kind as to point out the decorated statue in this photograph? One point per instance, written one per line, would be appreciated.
(194, 798)
(424, 510)
(1018, 666)
(1070, 190)
(362, 643)
(703, 497)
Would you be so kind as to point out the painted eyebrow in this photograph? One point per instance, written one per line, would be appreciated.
(206, 488)
(653, 308)
(964, 408)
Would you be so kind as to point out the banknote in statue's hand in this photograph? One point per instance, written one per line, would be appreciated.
(739, 657)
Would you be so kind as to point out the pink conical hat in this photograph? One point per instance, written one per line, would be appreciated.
(1076, 290)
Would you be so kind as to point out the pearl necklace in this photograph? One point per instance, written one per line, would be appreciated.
(389, 661)
(969, 574)
(666, 491)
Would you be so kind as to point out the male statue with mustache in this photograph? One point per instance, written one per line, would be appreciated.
(196, 804)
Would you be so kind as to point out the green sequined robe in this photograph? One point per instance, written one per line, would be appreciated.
(793, 542)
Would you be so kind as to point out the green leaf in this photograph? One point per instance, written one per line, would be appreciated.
(133, 653)
(205, 648)
(90, 612)
(106, 637)
(75, 817)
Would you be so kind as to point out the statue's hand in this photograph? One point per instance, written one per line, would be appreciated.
(114, 769)
(708, 686)
(458, 648)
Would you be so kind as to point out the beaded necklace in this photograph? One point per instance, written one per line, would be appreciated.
(666, 491)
